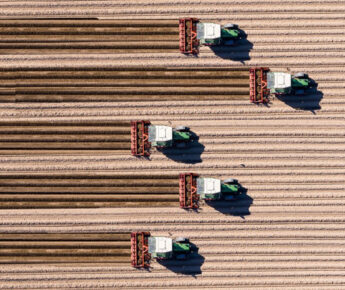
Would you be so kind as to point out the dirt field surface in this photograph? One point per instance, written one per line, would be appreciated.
(88, 190)
(125, 84)
(65, 248)
(287, 233)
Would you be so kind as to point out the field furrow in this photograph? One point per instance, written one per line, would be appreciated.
(69, 88)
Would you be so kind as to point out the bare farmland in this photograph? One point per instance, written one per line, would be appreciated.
(290, 155)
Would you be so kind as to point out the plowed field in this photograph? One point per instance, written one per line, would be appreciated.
(289, 231)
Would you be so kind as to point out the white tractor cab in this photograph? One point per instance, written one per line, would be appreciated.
(167, 248)
(160, 136)
(278, 81)
(208, 31)
(164, 136)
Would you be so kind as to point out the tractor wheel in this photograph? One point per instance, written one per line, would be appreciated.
(181, 240)
(230, 181)
(300, 75)
(182, 129)
(230, 26)
(181, 145)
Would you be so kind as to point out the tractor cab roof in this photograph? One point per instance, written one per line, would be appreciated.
(208, 31)
(208, 186)
(160, 133)
(160, 245)
(278, 80)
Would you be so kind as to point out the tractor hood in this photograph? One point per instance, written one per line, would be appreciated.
(278, 80)
(208, 31)
(208, 186)
(160, 133)
(160, 245)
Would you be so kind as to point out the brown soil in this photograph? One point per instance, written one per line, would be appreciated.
(290, 155)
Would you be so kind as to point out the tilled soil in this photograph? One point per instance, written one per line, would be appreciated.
(289, 230)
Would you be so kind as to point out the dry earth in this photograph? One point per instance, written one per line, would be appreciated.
(290, 156)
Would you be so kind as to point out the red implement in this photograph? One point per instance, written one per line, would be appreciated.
(258, 85)
(189, 198)
(140, 145)
(140, 257)
(188, 40)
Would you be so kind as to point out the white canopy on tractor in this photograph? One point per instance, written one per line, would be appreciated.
(208, 31)
(208, 186)
(160, 133)
(278, 80)
(160, 245)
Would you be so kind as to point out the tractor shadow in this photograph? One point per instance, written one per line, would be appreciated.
(191, 154)
(191, 266)
(238, 207)
(308, 102)
(239, 52)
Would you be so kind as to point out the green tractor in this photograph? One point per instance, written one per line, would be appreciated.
(210, 34)
(193, 33)
(144, 136)
(165, 136)
(280, 83)
(162, 248)
(215, 189)
(144, 247)
(193, 188)
(264, 82)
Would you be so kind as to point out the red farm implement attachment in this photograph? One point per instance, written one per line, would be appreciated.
(189, 198)
(259, 93)
(188, 40)
(140, 257)
(140, 145)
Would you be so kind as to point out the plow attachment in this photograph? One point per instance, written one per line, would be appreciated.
(188, 36)
(140, 145)
(140, 257)
(258, 85)
(188, 191)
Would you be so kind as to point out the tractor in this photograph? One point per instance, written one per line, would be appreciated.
(280, 83)
(263, 83)
(215, 189)
(193, 188)
(162, 248)
(194, 33)
(165, 136)
(144, 247)
(144, 135)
